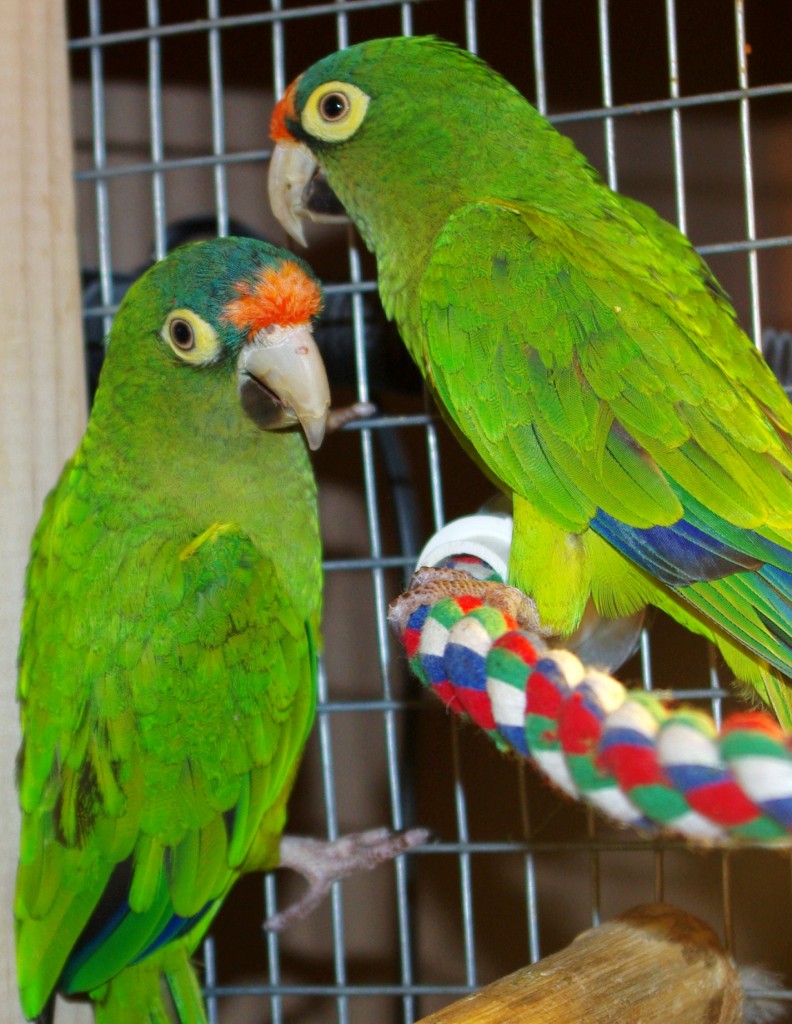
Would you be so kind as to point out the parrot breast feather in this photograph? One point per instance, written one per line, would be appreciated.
(175, 746)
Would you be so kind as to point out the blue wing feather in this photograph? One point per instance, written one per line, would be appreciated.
(114, 924)
(736, 576)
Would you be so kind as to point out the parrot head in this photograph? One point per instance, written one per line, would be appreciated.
(388, 129)
(239, 310)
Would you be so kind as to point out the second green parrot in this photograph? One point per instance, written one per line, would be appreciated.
(168, 657)
(576, 341)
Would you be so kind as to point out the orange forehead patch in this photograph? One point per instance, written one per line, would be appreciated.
(282, 295)
(283, 108)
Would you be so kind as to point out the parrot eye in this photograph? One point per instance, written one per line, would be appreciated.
(334, 106)
(334, 111)
(182, 335)
(191, 338)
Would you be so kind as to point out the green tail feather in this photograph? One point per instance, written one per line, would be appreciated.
(162, 989)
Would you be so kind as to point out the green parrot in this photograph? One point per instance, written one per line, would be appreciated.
(167, 667)
(575, 340)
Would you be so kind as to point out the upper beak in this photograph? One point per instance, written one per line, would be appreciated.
(282, 381)
(298, 190)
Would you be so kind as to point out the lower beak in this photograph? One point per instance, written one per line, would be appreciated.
(298, 190)
(282, 381)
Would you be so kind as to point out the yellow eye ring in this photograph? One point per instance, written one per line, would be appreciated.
(190, 337)
(334, 111)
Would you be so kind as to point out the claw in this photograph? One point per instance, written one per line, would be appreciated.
(322, 862)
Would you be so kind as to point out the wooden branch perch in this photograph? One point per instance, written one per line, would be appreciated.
(653, 965)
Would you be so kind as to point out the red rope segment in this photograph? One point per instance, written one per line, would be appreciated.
(637, 760)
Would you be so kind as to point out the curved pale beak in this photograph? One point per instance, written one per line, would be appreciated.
(298, 190)
(282, 381)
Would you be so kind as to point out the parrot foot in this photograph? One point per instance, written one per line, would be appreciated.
(322, 862)
(338, 418)
(429, 585)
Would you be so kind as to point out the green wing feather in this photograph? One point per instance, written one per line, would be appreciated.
(164, 705)
(594, 365)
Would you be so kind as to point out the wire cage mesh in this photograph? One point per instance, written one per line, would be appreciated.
(684, 106)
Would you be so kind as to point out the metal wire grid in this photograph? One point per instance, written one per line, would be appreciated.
(394, 709)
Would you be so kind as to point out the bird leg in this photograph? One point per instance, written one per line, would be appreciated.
(322, 862)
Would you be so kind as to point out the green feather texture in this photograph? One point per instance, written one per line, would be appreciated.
(575, 341)
(167, 667)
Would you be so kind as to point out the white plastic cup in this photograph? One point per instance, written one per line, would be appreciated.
(486, 535)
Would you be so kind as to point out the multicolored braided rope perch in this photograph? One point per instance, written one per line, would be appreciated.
(625, 752)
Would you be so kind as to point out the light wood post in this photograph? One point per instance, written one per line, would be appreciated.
(42, 389)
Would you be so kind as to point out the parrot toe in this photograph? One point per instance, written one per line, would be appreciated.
(323, 862)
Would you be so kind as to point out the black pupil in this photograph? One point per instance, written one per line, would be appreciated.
(182, 333)
(334, 106)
